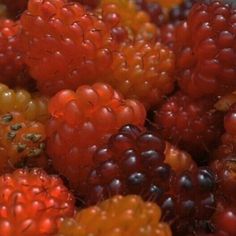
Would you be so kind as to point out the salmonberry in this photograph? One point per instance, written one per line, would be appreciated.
(33, 203)
(20, 140)
(34, 106)
(118, 216)
(11, 61)
(143, 71)
(133, 162)
(65, 45)
(193, 125)
(167, 35)
(205, 48)
(83, 120)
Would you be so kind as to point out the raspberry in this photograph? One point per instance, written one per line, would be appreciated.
(81, 121)
(191, 124)
(228, 139)
(11, 62)
(132, 162)
(65, 45)
(15, 8)
(119, 215)
(33, 203)
(167, 35)
(138, 22)
(205, 48)
(33, 107)
(225, 221)
(153, 8)
(180, 12)
(178, 160)
(143, 71)
(19, 140)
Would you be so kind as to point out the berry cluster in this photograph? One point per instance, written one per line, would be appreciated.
(117, 118)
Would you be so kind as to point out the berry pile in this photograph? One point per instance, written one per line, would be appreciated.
(117, 118)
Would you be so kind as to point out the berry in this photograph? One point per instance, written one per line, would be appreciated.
(167, 35)
(155, 11)
(228, 140)
(11, 62)
(205, 48)
(65, 45)
(225, 221)
(118, 216)
(20, 140)
(83, 120)
(191, 124)
(32, 106)
(15, 8)
(137, 22)
(33, 203)
(143, 71)
(178, 160)
(133, 162)
(181, 12)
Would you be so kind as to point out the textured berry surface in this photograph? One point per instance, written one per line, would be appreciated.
(81, 121)
(33, 106)
(167, 35)
(191, 124)
(205, 48)
(20, 140)
(137, 23)
(118, 216)
(180, 12)
(143, 71)
(33, 203)
(11, 62)
(65, 45)
(132, 162)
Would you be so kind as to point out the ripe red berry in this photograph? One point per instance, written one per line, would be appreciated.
(65, 45)
(193, 125)
(83, 120)
(205, 48)
(33, 203)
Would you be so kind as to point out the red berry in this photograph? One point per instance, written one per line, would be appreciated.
(167, 35)
(205, 48)
(194, 125)
(65, 45)
(33, 203)
(83, 120)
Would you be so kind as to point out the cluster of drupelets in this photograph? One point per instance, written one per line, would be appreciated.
(117, 118)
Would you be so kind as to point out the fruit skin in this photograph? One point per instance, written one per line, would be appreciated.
(181, 11)
(167, 35)
(193, 125)
(118, 216)
(133, 162)
(205, 48)
(83, 120)
(65, 45)
(20, 140)
(11, 61)
(33, 106)
(33, 203)
(143, 71)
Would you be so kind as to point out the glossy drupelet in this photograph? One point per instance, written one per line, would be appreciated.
(205, 48)
(193, 125)
(144, 71)
(11, 61)
(133, 162)
(33, 106)
(65, 45)
(33, 203)
(83, 120)
(20, 141)
(118, 216)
